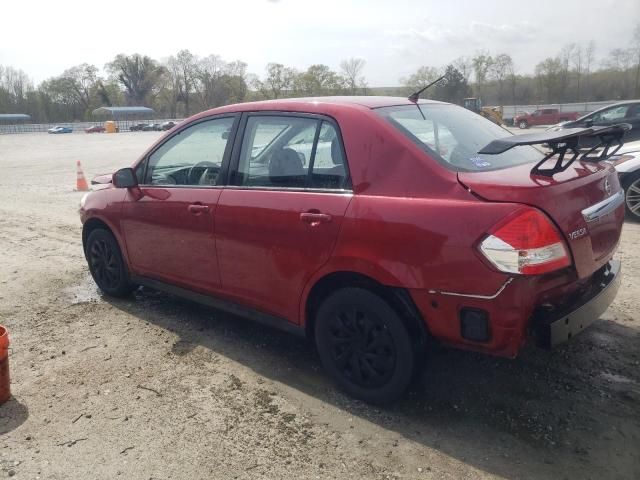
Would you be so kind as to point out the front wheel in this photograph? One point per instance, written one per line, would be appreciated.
(632, 195)
(364, 345)
(522, 124)
(106, 264)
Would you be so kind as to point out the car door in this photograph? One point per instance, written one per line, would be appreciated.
(603, 118)
(169, 224)
(535, 118)
(278, 220)
(547, 117)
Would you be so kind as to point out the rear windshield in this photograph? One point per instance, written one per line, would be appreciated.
(454, 135)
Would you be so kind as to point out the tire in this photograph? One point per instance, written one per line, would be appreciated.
(106, 264)
(364, 345)
(523, 124)
(632, 195)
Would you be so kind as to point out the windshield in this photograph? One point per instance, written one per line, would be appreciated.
(454, 135)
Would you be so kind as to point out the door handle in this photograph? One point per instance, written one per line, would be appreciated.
(315, 218)
(197, 208)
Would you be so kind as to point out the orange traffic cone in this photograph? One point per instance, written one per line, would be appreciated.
(81, 182)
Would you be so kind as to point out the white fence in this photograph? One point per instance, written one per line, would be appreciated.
(78, 127)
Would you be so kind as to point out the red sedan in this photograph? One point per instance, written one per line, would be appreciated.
(367, 223)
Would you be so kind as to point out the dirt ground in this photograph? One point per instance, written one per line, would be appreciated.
(157, 388)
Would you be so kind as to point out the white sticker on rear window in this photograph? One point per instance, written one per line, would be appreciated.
(479, 162)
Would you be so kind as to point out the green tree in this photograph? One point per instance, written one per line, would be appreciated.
(140, 76)
(454, 88)
(421, 78)
(549, 78)
(481, 64)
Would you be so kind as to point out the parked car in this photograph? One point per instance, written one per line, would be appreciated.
(167, 125)
(544, 116)
(343, 219)
(137, 127)
(627, 164)
(152, 127)
(623, 112)
(60, 130)
(95, 129)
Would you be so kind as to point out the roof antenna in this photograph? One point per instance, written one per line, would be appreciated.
(414, 97)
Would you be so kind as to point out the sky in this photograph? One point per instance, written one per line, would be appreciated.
(395, 38)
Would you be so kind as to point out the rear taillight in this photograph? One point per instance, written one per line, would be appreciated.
(526, 243)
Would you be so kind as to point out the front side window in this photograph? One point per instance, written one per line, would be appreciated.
(290, 152)
(454, 135)
(193, 157)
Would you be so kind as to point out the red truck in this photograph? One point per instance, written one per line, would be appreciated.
(544, 116)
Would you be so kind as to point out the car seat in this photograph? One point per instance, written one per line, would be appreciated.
(285, 167)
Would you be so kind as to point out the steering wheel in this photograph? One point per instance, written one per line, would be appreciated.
(198, 171)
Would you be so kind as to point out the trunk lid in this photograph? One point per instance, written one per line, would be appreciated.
(566, 198)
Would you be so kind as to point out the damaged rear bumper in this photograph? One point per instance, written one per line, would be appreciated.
(554, 328)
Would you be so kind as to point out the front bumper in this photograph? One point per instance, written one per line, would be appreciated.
(554, 328)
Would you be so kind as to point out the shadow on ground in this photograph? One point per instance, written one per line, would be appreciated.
(545, 411)
(12, 415)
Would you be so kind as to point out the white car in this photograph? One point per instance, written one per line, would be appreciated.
(60, 130)
(627, 163)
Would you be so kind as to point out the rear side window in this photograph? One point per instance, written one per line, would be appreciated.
(454, 135)
(290, 152)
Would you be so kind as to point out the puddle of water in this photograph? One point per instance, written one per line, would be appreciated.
(85, 292)
(612, 377)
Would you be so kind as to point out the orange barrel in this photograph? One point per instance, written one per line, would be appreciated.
(5, 390)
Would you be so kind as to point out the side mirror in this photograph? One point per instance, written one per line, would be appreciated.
(225, 134)
(125, 178)
(588, 123)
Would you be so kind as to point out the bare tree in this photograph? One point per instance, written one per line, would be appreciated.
(209, 71)
(352, 70)
(464, 66)
(589, 59)
(549, 75)
(481, 63)
(81, 81)
(185, 65)
(635, 50)
(499, 69)
(577, 60)
(565, 59)
(17, 83)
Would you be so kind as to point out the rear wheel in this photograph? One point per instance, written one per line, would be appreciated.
(364, 345)
(106, 264)
(632, 195)
(522, 124)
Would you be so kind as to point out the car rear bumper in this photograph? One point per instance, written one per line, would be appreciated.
(549, 309)
(554, 328)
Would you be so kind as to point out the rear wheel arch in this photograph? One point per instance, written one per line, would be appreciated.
(398, 298)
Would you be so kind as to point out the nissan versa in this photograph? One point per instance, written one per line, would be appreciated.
(369, 224)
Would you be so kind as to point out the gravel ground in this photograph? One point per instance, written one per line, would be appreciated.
(153, 387)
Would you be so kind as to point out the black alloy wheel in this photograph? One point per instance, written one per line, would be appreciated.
(364, 345)
(106, 265)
